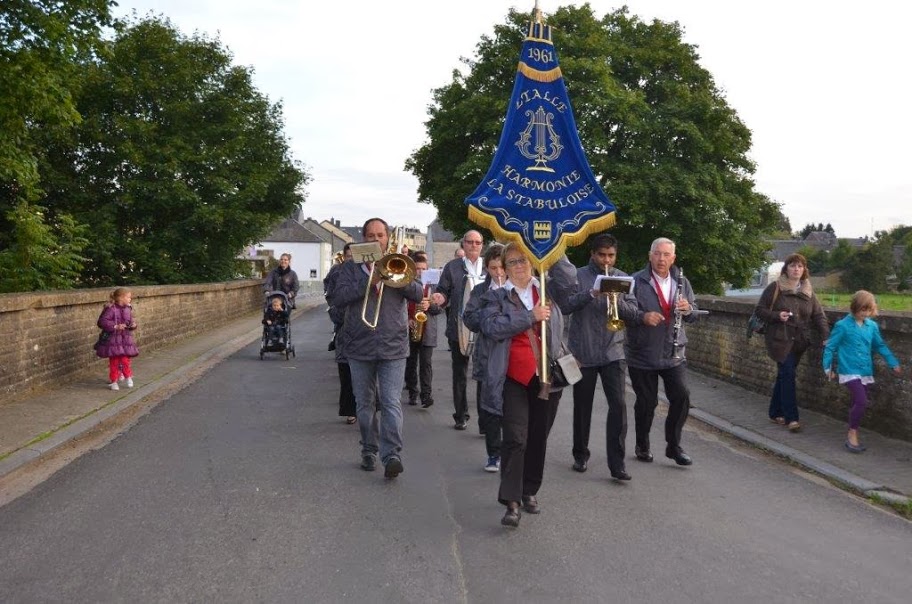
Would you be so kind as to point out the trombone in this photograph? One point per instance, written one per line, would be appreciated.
(396, 270)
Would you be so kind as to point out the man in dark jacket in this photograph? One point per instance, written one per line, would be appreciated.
(419, 370)
(600, 352)
(457, 279)
(665, 301)
(376, 355)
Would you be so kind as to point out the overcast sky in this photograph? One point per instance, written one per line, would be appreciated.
(823, 86)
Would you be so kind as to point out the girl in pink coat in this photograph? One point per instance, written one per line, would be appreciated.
(117, 323)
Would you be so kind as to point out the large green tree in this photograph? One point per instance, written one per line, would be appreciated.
(659, 135)
(179, 161)
(42, 44)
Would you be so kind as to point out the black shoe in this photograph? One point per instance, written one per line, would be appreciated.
(426, 404)
(511, 518)
(393, 467)
(461, 425)
(642, 454)
(413, 401)
(530, 504)
(368, 463)
(580, 465)
(677, 453)
(621, 475)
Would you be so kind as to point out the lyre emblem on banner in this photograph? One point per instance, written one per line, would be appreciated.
(544, 134)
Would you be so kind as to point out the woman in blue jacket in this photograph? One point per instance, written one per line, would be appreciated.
(855, 338)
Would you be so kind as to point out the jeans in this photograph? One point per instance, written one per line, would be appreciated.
(613, 385)
(373, 380)
(460, 371)
(490, 425)
(646, 386)
(784, 401)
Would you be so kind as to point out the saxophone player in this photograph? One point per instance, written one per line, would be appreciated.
(662, 293)
(419, 372)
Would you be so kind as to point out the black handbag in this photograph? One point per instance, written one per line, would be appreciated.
(757, 325)
(102, 338)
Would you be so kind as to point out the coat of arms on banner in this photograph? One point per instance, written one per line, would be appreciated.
(540, 191)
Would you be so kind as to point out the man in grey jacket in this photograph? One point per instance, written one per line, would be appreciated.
(600, 353)
(458, 278)
(662, 294)
(376, 356)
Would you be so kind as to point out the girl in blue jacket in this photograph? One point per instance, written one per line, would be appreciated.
(855, 338)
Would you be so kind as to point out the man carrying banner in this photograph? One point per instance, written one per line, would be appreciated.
(457, 280)
(376, 355)
(662, 294)
(600, 353)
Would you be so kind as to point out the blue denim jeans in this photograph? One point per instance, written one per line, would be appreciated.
(784, 401)
(378, 386)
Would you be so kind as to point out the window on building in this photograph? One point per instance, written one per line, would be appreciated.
(313, 273)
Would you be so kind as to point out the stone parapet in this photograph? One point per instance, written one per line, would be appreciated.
(718, 347)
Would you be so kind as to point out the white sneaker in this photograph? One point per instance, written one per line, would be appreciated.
(129, 382)
(113, 386)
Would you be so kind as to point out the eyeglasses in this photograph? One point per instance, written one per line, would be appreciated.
(517, 262)
(474, 241)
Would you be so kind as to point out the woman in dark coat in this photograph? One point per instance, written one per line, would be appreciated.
(510, 320)
(790, 310)
(283, 279)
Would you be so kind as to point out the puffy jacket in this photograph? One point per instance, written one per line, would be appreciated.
(855, 346)
(120, 342)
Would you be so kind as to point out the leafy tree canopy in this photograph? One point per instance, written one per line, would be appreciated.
(815, 228)
(659, 135)
(178, 163)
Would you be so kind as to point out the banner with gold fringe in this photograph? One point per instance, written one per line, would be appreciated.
(540, 191)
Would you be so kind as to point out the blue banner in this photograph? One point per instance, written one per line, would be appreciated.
(540, 191)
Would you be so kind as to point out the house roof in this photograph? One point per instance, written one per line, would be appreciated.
(438, 234)
(292, 231)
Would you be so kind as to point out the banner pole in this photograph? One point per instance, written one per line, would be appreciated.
(543, 370)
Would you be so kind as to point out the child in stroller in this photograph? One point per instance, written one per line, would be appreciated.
(276, 325)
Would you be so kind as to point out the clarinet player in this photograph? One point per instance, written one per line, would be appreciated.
(655, 348)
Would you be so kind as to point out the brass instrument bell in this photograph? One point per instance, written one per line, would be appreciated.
(395, 270)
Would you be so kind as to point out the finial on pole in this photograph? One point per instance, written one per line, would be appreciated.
(536, 13)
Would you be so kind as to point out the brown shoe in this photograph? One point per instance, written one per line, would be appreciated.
(778, 420)
(511, 518)
(794, 426)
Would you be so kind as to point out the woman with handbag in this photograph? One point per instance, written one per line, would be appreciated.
(510, 319)
(790, 310)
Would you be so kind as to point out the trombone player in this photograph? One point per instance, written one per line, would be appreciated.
(376, 353)
(597, 342)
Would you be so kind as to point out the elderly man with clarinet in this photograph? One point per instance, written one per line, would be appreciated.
(655, 346)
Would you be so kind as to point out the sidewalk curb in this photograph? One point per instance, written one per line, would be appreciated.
(170, 382)
(852, 482)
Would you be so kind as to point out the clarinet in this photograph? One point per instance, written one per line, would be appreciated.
(679, 317)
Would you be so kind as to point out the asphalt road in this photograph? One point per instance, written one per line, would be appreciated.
(245, 487)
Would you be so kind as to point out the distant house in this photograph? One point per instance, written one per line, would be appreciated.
(818, 240)
(311, 254)
(334, 226)
(441, 245)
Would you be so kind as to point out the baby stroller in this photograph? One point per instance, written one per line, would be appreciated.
(277, 335)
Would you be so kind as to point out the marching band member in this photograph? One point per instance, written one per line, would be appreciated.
(488, 415)
(600, 353)
(376, 356)
(419, 373)
(661, 291)
(457, 279)
(337, 316)
(509, 319)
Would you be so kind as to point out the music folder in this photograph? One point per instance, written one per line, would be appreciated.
(613, 284)
(366, 252)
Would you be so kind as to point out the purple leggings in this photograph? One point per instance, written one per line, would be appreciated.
(859, 394)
